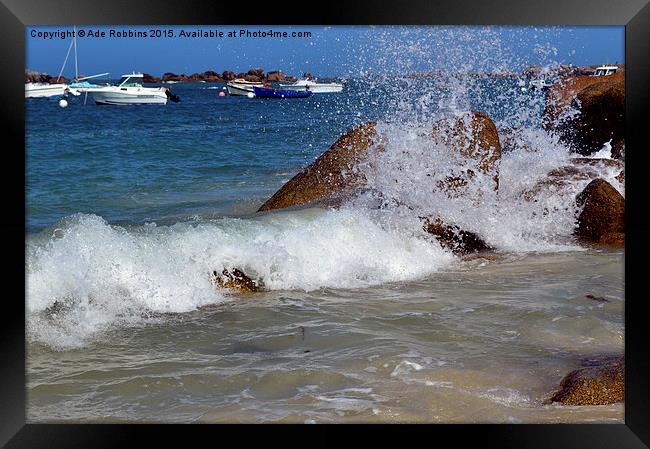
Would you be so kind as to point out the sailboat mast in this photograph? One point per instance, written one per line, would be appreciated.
(76, 71)
(65, 61)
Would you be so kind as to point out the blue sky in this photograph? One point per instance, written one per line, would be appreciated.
(330, 51)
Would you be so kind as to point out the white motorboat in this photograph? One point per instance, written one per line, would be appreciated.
(129, 90)
(41, 90)
(311, 85)
(605, 70)
(242, 87)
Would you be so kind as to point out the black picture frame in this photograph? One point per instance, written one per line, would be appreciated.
(633, 14)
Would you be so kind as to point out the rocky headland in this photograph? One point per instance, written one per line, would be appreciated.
(210, 76)
(32, 76)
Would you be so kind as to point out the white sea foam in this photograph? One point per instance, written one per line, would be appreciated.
(605, 152)
(89, 274)
(405, 367)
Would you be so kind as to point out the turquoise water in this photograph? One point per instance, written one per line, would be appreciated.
(207, 155)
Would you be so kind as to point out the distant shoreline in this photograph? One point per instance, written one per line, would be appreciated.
(254, 75)
(258, 75)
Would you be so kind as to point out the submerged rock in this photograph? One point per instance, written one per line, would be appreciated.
(582, 168)
(601, 118)
(600, 384)
(596, 298)
(235, 279)
(602, 219)
(557, 180)
(512, 139)
(452, 237)
(595, 162)
(333, 172)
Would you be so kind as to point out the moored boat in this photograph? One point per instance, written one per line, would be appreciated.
(278, 93)
(241, 87)
(605, 70)
(42, 90)
(80, 85)
(312, 86)
(129, 90)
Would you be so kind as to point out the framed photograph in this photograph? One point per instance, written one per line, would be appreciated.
(386, 215)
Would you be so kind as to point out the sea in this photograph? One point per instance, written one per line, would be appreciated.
(363, 317)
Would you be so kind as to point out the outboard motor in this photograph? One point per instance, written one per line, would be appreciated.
(172, 97)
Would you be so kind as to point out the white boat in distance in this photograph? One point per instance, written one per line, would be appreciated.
(605, 70)
(41, 90)
(240, 86)
(313, 86)
(129, 90)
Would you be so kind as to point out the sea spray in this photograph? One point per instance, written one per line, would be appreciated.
(469, 69)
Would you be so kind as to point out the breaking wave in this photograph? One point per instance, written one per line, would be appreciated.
(88, 275)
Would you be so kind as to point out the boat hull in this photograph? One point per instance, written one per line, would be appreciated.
(82, 87)
(276, 93)
(315, 88)
(120, 97)
(36, 90)
(241, 89)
